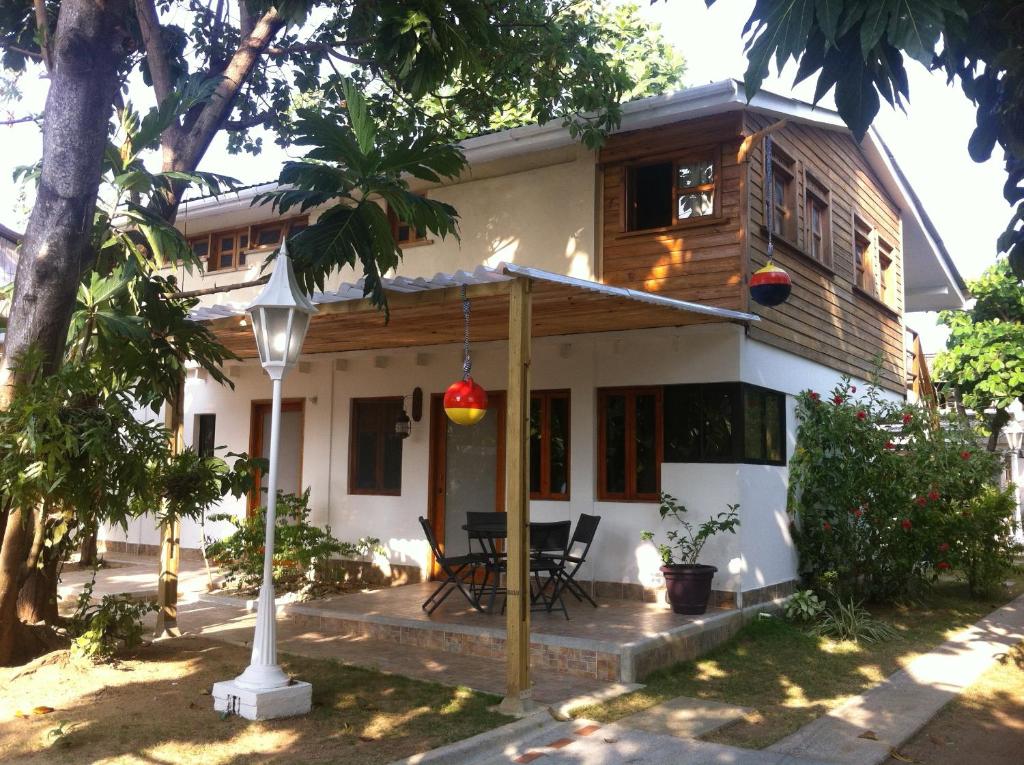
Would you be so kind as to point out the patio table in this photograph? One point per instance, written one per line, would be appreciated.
(487, 533)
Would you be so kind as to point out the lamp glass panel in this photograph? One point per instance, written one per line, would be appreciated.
(276, 335)
(300, 323)
(256, 317)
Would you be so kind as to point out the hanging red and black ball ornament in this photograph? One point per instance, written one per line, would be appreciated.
(770, 286)
(465, 402)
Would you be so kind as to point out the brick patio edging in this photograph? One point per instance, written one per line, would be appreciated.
(592, 659)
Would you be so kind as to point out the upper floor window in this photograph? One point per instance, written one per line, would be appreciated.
(227, 249)
(886, 274)
(663, 194)
(864, 255)
(783, 194)
(549, 445)
(375, 449)
(405, 233)
(818, 221)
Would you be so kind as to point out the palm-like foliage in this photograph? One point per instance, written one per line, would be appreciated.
(357, 168)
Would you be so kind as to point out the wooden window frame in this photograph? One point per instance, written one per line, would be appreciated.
(886, 285)
(353, 432)
(545, 397)
(286, 225)
(785, 166)
(711, 154)
(865, 276)
(397, 224)
(817, 192)
(630, 494)
(256, 437)
(240, 254)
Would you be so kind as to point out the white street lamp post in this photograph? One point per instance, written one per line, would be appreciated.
(280, 317)
(1014, 437)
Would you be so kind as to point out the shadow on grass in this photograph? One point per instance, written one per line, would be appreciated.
(154, 707)
(789, 678)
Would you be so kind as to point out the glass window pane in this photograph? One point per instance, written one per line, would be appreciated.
(615, 444)
(775, 436)
(696, 205)
(227, 243)
(243, 241)
(268, 236)
(201, 247)
(719, 415)
(682, 423)
(754, 422)
(536, 430)
(206, 438)
(392, 472)
(226, 260)
(651, 196)
(646, 449)
(558, 473)
(366, 459)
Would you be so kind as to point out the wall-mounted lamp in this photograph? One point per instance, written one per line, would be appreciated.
(403, 425)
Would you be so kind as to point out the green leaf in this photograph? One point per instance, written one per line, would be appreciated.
(359, 117)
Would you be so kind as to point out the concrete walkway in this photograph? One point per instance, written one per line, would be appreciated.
(866, 728)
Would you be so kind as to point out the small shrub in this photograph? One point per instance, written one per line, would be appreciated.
(804, 606)
(850, 621)
(299, 546)
(99, 629)
(982, 545)
(689, 543)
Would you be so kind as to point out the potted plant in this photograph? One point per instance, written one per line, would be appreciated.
(688, 583)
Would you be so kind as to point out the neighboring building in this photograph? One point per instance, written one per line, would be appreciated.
(9, 241)
(632, 395)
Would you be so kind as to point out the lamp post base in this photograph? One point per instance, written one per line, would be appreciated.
(286, 701)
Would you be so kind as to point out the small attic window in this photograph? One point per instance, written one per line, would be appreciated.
(668, 193)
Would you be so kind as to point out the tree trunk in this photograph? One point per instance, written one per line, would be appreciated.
(87, 555)
(37, 596)
(999, 420)
(88, 48)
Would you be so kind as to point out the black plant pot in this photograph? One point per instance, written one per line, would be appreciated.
(688, 587)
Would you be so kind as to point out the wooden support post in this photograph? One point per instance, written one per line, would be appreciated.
(170, 533)
(517, 501)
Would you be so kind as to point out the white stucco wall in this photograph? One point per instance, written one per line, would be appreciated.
(759, 554)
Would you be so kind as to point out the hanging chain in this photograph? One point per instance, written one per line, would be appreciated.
(467, 363)
(769, 195)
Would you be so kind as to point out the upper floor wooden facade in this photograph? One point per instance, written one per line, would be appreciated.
(683, 213)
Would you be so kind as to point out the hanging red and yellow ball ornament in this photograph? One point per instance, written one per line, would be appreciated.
(465, 402)
(770, 286)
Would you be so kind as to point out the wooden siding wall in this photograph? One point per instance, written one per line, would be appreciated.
(700, 261)
(826, 318)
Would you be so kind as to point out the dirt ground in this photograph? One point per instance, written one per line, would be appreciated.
(153, 706)
(985, 726)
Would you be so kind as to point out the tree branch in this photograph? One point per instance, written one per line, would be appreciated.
(225, 288)
(19, 120)
(156, 58)
(23, 51)
(249, 122)
(43, 25)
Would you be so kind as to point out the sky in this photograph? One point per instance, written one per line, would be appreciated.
(963, 198)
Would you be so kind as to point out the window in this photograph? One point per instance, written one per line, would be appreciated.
(549, 445)
(783, 195)
(228, 249)
(886, 274)
(666, 193)
(375, 450)
(724, 422)
(205, 434)
(405, 233)
(864, 254)
(818, 222)
(629, 443)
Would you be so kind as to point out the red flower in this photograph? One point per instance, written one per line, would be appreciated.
(906, 524)
(943, 547)
(942, 565)
(827, 526)
(933, 495)
(815, 396)
(890, 445)
(837, 400)
(862, 415)
(907, 418)
(853, 389)
(921, 501)
(965, 455)
(858, 512)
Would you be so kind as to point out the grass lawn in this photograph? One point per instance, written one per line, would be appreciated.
(789, 677)
(153, 706)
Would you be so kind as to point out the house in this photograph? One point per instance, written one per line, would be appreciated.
(9, 240)
(652, 370)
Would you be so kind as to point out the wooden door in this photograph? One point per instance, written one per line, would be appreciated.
(467, 470)
(289, 473)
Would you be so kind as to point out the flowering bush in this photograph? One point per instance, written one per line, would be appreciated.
(877, 491)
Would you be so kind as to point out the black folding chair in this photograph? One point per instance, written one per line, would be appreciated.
(548, 547)
(586, 530)
(454, 569)
(485, 529)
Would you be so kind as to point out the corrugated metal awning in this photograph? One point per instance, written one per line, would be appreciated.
(426, 311)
